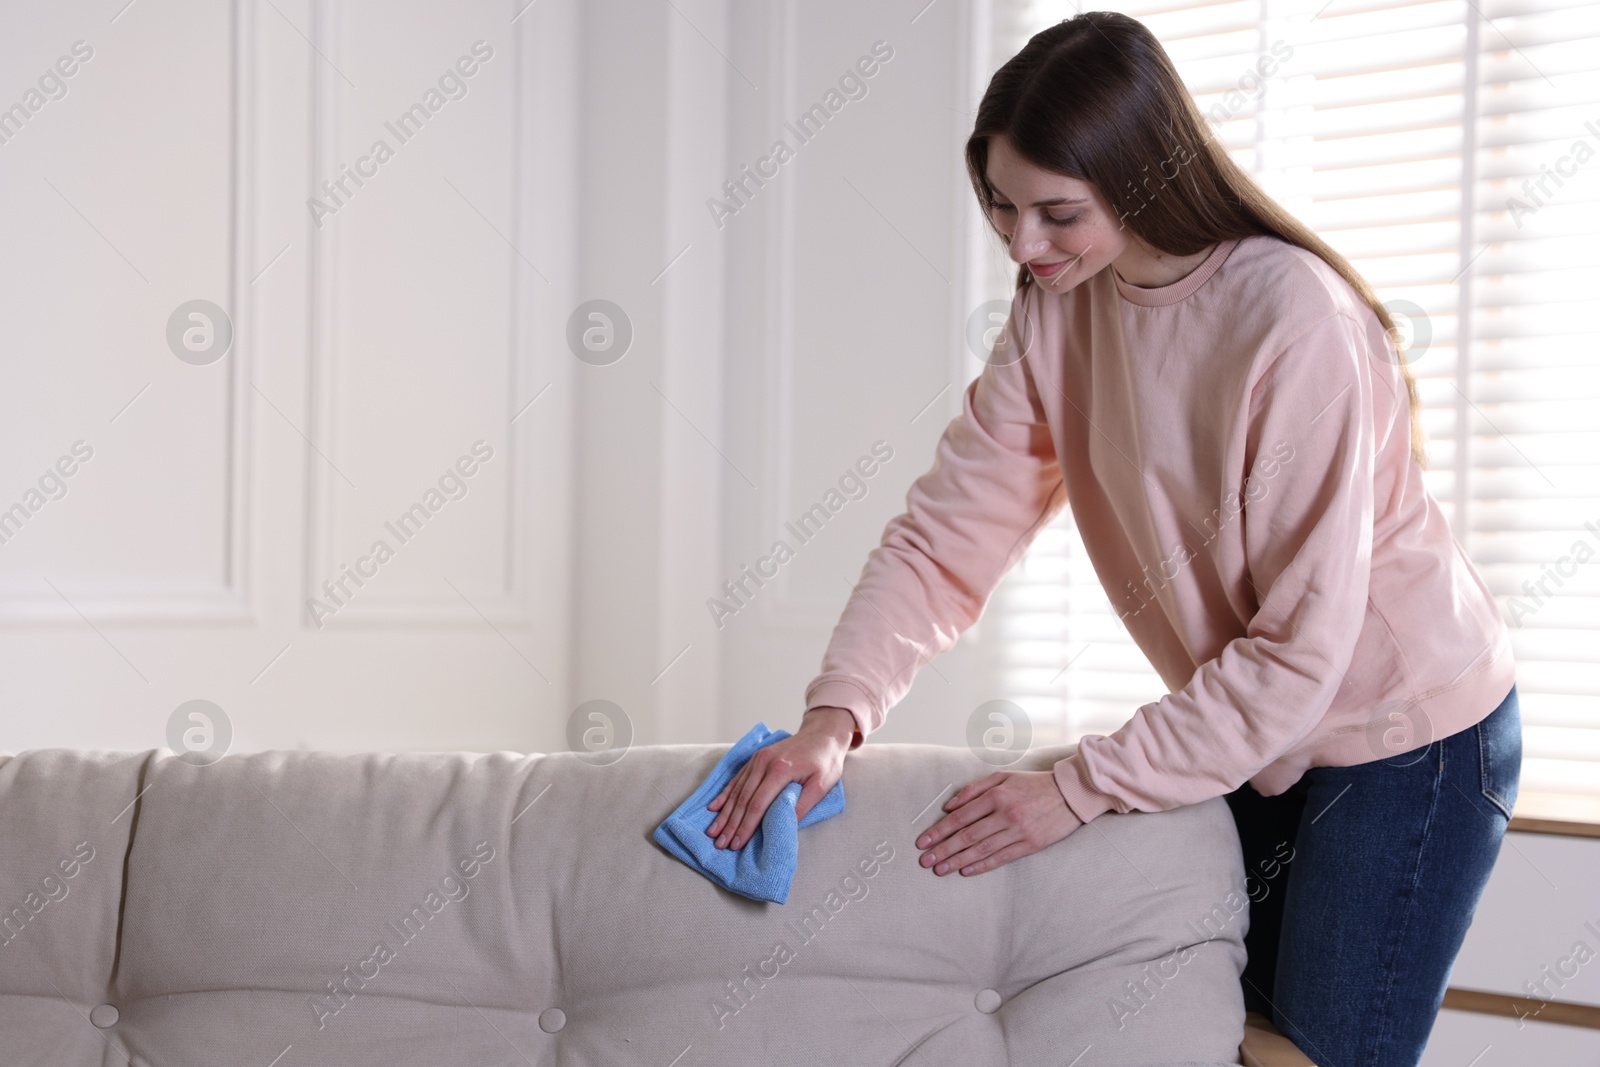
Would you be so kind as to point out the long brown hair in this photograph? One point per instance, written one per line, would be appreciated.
(1096, 98)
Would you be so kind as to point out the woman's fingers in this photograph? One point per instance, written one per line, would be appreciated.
(972, 789)
(742, 789)
(945, 835)
(720, 803)
(811, 794)
(744, 801)
(995, 826)
(958, 812)
(762, 792)
(752, 772)
(965, 849)
(977, 860)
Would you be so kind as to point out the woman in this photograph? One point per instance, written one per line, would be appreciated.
(1218, 394)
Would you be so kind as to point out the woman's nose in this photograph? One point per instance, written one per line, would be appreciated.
(1027, 243)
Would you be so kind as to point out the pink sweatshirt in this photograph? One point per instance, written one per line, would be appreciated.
(1235, 448)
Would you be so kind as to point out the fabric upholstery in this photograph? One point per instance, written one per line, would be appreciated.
(293, 908)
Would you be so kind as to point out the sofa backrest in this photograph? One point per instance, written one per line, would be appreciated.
(291, 908)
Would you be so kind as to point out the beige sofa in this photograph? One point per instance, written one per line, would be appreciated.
(291, 908)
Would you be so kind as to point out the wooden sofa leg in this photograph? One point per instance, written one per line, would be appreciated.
(1263, 1046)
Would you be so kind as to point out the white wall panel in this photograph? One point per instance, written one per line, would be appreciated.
(415, 304)
(380, 345)
(123, 198)
(855, 273)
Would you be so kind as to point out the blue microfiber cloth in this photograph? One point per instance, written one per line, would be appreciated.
(763, 867)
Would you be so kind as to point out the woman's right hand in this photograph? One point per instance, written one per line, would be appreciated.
(813, 755)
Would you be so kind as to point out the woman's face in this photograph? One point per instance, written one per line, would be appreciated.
(1060, 227)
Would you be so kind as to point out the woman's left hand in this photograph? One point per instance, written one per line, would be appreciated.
(996, 819)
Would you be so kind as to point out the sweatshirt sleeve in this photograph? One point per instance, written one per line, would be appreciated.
(1308, 553)
(994, 483)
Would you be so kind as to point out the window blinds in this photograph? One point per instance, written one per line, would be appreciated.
(1451, 150)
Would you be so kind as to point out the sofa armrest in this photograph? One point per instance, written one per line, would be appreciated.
(1263, 1046)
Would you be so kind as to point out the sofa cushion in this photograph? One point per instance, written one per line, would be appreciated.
(291, 908)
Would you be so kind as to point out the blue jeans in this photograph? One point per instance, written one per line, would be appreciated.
(1362, 883)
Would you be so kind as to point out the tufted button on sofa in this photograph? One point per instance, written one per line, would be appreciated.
(293, 908)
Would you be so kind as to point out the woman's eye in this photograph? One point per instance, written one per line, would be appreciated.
(1051, 219)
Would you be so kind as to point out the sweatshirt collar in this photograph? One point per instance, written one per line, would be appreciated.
(1163, 295)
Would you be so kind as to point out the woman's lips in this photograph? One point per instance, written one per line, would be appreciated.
(1047, 271)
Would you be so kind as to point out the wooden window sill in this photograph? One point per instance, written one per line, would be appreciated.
(1264, 1047)
(1568, 814)
(1483, 1002)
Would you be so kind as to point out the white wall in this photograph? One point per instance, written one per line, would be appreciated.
(860, 262)
(370, 352)
(1536, 924)
(376, 338)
